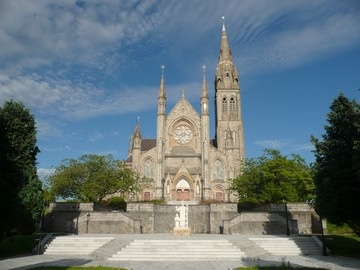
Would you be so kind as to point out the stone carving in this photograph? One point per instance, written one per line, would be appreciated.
(183, 135)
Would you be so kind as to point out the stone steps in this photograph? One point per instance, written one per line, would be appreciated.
(75, 245)
(178, 250)
(288, 246)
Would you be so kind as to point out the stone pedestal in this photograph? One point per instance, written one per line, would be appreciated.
(181, 231)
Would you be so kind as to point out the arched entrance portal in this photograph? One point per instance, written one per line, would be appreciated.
(182, 190)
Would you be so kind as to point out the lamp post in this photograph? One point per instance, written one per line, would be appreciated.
(202, 189)
(324, 250)
(87, 222)
(287, 220)
(163, 189)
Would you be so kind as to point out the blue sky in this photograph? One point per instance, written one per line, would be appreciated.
(88, 69)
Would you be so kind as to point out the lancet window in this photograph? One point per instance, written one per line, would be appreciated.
(148, 169)
(218, 170)
(224, 105)
(232, 105)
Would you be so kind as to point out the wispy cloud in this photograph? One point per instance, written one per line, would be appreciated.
(273, 144)
(304, 147)
(96, 136)
(43, 172)
(46, 129)
(54, 38)
(69, 100)
(285, 146)
(75, 31)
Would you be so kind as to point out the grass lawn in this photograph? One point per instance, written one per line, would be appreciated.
(347, 245)
(276, 267)
(18, 245)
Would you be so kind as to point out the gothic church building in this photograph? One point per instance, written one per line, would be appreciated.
(183, 163)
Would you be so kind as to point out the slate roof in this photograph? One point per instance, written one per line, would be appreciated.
(147, 144)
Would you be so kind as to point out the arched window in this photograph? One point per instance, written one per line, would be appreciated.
(232, 105)
(148, 169)
(224, 105)
(218, 170)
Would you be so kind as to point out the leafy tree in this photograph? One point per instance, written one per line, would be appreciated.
(90, 178)
(19, 184)
(337, 166)
(273, 178)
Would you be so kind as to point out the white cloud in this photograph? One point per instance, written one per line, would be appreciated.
(80, 32)
(269, 35)
(96, 136)
(273, 144)
(304, 147)
(46, 129)
(55, 37)
(43, 172)
(64, 99)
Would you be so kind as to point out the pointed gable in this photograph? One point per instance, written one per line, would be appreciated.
(183, 107)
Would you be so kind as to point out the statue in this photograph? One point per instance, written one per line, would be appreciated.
(181, 221)
(183, 212)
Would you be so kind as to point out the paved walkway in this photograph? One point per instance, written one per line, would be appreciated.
(326, 262)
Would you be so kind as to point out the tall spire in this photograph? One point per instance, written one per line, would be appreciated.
(162, 92)
(137, 133)
(225, 51)
(204, 100)
(136, 138)
(204, 90)
(227, 76)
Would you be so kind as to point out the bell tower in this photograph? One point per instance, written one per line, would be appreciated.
(228, 119)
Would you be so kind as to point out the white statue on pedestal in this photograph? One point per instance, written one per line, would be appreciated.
(183, 215)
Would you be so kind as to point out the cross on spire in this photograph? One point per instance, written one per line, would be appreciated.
(204, 68)
(162, 69)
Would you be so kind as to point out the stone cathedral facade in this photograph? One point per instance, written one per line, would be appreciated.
(183, 162)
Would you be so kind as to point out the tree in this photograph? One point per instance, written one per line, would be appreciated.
(273, 178)
(337, 165)
(19, 183)
(90, 178)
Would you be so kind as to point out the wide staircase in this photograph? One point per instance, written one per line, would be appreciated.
(201, 247)
(75, 245)
(178, 250)
(288, 246)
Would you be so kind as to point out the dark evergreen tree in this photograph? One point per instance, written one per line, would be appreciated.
(20, 189)
(337, 177)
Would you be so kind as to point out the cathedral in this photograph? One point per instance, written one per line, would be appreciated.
(182, 163)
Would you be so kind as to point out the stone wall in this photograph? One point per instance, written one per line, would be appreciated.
(144, 212)
(219, 212)
(213, 218)
(107, 222)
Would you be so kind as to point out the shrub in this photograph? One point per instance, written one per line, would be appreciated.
(117, 203)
